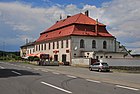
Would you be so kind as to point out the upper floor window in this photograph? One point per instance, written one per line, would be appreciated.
(67, 43)
(39, 47)
(104, 44)
(93, 44)
(49, 46)
(45, 46)
(57, 44)
(82, 45)
(42, 47)
(62, 44)
(53, 45)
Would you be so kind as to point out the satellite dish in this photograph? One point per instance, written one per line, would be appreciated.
(75, 48)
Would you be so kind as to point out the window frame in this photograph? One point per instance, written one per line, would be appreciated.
(82, 43)
(93, 44)
(104, 45)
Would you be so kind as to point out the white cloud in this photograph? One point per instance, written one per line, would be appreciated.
(122, 18)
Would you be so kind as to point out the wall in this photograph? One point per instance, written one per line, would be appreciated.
(80, 62)
(60, 50)
(111, 62)
(88, 44)
(122, 62)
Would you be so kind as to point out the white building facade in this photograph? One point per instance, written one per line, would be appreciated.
(77, 36)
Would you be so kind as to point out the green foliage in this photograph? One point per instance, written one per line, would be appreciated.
(30, 58)
(36, 58)
(6, 56)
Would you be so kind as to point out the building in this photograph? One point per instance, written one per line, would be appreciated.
(77, 36)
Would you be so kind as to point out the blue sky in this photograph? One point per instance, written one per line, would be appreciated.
(46, 3)
(21, 19)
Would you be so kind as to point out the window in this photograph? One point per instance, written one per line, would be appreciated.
(101, 56)
(49, 46)
(62, 44)
(67, 43)
(36, 48)
(110, 56)
(106, 56)
(104, 45)
(39, 47)
(53, 45)
(57, 44)
(42, 47)
(97, 57)
(93, 44)
(82, 45)
(45, 47)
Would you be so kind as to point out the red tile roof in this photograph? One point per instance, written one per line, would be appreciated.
(68, 27)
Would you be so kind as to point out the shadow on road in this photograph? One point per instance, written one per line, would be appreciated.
(5, 73)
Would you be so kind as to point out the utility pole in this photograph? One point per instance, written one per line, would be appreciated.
(3, 50)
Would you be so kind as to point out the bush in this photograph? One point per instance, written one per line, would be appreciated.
(36, 58)
(30, 58)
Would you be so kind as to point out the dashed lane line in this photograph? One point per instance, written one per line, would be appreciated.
(55, 73)
(93, 81)
(71, 76)
(2, 67)
(130, 88)
(44, 70)
(16, 72)
(58, 88)
(29, 67)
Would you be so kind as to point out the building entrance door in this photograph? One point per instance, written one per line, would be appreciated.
(55, 57)
(64, 58)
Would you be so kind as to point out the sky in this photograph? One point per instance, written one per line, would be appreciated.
(26, 19)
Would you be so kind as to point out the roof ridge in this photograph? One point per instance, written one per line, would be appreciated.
(78, 17)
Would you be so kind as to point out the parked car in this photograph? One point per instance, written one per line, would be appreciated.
(99, 66)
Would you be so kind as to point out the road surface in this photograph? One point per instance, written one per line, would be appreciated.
(18, 78)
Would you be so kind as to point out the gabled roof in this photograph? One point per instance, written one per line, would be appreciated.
(68, 27)
(77, 19)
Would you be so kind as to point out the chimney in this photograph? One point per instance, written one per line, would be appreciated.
(87, 13)
(26, 41)
(68, 16)
(60, 17)
(96, 27)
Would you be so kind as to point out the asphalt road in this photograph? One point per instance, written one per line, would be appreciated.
(25, 79)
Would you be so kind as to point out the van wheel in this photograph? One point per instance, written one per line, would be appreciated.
(90, 69)
(99, 70)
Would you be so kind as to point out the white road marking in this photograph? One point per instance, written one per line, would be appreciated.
(23, 66)
(71, 76)
(44, 70)
(55, 73)
(29, 67)
(127, 87)
(56, 87)
(2, 67)
(36, 69)
(16, 72)
(93, 81)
